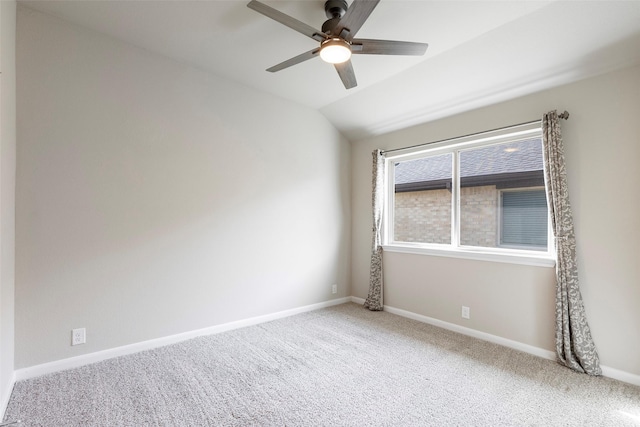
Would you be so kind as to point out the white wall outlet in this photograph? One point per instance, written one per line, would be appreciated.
(78, 336)
(334, 289)
(466, 312)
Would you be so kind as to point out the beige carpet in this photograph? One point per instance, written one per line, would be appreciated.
(341, 366)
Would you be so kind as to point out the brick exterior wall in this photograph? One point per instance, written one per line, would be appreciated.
(479, 216)
(425, 216)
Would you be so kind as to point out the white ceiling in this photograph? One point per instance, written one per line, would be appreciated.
(480, 52)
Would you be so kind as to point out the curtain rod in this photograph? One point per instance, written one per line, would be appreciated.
(564, 115)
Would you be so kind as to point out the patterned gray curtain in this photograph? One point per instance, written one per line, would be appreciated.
(574, 346)
(374, 299)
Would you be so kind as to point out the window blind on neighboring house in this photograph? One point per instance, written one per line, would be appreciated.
(524, 218)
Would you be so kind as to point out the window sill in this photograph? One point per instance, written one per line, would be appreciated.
(541, 260)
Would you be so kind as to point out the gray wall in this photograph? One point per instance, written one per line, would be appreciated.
(7, 194)
(154, 198)
(602, 141)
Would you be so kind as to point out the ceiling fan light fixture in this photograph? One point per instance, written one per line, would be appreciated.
(335, 51)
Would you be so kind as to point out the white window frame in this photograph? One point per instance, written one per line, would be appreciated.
(455, 146)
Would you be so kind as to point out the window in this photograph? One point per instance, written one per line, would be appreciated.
(523, 223)
(477, 197)
(423, 200)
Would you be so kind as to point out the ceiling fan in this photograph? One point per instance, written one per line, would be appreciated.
(337, 38)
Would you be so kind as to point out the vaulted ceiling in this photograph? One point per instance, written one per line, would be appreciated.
(480, 52)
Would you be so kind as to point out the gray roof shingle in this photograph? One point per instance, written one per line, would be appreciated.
(519, 156)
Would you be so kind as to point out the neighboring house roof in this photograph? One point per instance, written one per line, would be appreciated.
(479, 166)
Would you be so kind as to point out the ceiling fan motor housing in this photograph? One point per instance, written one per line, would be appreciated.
(334, 9)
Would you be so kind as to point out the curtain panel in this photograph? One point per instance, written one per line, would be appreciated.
(374, 300)
(574, 346)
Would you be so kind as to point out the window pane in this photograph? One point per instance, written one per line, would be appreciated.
(422, 204)
(484, 173)
(524, 219)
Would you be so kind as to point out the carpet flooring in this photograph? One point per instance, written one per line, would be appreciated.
(340, 366)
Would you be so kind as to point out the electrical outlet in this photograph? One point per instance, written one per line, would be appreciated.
(334, 289)
(466, 312)
(78, 336)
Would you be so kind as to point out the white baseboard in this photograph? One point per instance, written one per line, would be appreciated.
(74, 362)
(619, 375)
(85, 359)
(5, 396)
(357, 300)
(536, 351)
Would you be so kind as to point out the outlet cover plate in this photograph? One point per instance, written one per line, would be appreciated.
(466, 312)
(78, 336)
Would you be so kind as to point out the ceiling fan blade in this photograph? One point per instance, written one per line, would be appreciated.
(287, 20)
(355, 16)
(387, 47)
(347, 75)
(295, 60)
